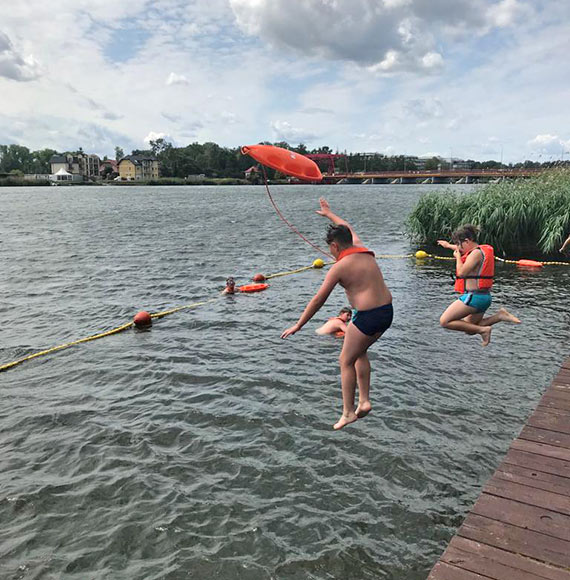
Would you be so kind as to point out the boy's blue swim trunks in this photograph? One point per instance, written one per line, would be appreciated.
(374, 320)
(478, 300)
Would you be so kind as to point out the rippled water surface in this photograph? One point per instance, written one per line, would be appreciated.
(203, 448)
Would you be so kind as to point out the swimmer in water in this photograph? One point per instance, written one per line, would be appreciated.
(336, 325)
(230, 286)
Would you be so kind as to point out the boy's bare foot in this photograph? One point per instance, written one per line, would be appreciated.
(363, 409)
(345, 420)
(486, 336)
(506, 316)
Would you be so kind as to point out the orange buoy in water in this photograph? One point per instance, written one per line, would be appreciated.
(530, 263)
(253, 287)
(142, 319)
(285, 161)
(259, 278)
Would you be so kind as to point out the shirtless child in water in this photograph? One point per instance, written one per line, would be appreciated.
(357, 271)
(336, 325)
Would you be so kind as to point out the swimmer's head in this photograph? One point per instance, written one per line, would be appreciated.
(345, 314)
(338, 238)
(465, 234)
(230, 282)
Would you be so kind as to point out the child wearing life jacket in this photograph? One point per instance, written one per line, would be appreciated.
(474, 275)
(337, 324)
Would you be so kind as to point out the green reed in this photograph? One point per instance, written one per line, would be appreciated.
(514, 216)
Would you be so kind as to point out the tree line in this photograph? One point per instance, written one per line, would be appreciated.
(212, 160)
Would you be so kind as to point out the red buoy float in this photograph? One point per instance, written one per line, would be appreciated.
(142, 319)
(530, 263)
(285, 161)
(253, 287)
(259, 278)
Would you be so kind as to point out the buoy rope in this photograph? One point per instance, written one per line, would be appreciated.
(101, 334)
(208, 301)
(286, 220)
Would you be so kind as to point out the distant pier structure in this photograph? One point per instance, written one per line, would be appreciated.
(458, 174)
(455, 176)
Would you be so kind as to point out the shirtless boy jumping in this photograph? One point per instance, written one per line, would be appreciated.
(357, 271)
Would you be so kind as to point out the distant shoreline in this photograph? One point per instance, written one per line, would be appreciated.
(216, 181)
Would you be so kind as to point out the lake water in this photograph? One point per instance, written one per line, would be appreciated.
(204, 448)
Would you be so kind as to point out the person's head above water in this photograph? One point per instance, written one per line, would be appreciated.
(339, 237)
(465, 237)
(345, 314)
(230, 282)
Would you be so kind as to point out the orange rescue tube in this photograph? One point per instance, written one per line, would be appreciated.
(530, 263)
(253, 287)
(285, 161)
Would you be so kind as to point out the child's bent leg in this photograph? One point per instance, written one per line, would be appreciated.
(452, 320)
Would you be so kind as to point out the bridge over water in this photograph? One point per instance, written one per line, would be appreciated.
(455, 176)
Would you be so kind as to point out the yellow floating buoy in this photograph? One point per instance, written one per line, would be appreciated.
(318, 263)
(421, 255)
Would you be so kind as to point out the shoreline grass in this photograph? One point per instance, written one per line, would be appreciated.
(515, 217)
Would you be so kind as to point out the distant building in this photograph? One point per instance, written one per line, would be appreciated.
(252, 171)
(108, 169)
(138, 167)
(82, 164)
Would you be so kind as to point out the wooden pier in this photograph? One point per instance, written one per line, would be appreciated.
(519, 529)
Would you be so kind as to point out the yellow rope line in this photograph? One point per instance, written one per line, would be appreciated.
(101, 334)
(66, 345)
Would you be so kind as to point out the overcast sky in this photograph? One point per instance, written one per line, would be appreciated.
(474, 79)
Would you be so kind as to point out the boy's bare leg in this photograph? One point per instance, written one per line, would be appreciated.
(363, 380)
(452, 320)
(356, 344)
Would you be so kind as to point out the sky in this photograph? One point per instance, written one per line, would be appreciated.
(471, 79)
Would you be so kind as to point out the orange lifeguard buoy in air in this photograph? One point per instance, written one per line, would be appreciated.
(530, 263)
(253, 287)
(285, 161)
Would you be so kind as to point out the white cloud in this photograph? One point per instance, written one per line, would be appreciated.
(175, 79)
(388, 36)
(13, 65)
(152, 136)
(549, 144)
(284, 131)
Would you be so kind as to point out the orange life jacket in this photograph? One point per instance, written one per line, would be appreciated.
(485, 273)
(354, 250)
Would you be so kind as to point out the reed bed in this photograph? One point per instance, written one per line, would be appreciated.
(516, 217)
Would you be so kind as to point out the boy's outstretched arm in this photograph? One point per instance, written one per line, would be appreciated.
(330, 281)
(325, 211)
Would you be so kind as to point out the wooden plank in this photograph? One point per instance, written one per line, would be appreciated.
(555, 402)
(533, 461)
(557, 410)
(533, 478)
(541, 449)
(556, 389)
(528, 495)
(516, 561)
(481, 565)
(529, 517)
(544, 436)
(549, 421)
(517, 540)
(443, 571)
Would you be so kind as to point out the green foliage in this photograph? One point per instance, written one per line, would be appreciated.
(514, 217)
